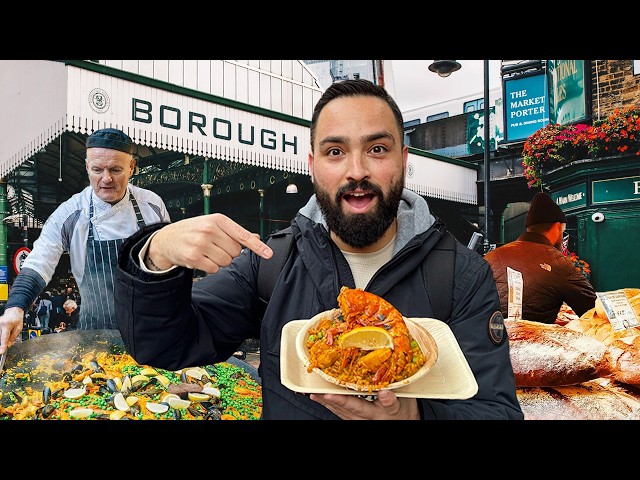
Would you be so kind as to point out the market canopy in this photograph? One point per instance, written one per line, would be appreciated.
(255, 113)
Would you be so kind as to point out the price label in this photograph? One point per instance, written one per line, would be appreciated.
(514, 280)
(618, 309)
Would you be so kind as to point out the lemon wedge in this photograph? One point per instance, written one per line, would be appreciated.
(157, 407)
(164, 381)
(139, 378)
(120, 402)
(178, 403)
(75, 393)
(80, 413)
(118, 382)
(366, 338)
(131, 400)
(169, 396)
(149, 372)
(194, 373)
(198, 397)
(116, 415)
(212, 391)
(126, 383)
(87, 380)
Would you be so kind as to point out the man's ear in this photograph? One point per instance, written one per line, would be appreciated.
(310, 161)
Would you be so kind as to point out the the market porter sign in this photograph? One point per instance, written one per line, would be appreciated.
(525, 106)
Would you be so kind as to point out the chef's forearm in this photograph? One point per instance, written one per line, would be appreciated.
(26, 288)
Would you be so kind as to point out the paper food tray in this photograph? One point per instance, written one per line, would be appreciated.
(450, 377)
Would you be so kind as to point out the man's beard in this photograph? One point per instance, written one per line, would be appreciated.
(362, 229)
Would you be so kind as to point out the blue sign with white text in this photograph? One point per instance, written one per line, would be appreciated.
(525, 106)
(4, 272)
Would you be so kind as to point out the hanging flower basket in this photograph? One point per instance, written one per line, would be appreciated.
(618, 134)
(555, 145)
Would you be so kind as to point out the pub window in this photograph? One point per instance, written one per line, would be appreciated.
(473, 105)
(411, 123)
(437, 116)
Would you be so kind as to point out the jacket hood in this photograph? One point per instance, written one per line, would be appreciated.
(414, 216)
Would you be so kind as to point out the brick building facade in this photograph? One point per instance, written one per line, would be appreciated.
(614, 86)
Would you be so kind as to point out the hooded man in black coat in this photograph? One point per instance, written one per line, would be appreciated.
(362, 228)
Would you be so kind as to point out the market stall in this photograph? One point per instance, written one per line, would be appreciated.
(580, 368)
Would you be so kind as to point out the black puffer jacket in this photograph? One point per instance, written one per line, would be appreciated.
(548, 278)
(171, 323)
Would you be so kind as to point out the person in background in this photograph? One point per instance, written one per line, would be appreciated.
(45, 306)
(91, 226)
(71, 314)
(72, 294)
(549, 278)
(31, 316)
(57, 299)
(362, 228)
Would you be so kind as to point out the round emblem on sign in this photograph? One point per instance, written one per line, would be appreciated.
(18, 259)
(409, 170)
(99, 100)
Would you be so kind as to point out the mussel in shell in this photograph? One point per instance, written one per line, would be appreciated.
(46, 411)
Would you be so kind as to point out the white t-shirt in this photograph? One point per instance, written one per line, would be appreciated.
(365, 265)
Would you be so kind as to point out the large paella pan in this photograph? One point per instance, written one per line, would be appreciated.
(87, 374)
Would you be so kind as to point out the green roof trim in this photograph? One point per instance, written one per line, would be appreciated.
(443, 158)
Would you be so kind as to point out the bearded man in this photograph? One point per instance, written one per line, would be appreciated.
(361, 228)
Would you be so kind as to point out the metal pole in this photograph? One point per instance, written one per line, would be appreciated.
(205, 181)
(4, 266)
(25, 229)
(261, 207)
(487, 146)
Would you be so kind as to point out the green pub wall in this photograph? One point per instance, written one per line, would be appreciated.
(601, 199)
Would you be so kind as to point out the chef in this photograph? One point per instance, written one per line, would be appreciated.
(91, 226)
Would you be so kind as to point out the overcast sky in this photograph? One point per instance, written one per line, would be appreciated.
(413, 85)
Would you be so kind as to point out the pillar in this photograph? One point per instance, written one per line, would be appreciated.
(4, 268)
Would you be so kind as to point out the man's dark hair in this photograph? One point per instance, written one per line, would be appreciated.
(355, 88)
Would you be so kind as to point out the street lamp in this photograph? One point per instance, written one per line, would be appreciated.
(292, 187)
(444, 68)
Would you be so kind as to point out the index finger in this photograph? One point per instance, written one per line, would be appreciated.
(250, 240)
(4, 341)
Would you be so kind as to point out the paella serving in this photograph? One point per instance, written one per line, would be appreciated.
(99, 380)
(366, 344)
